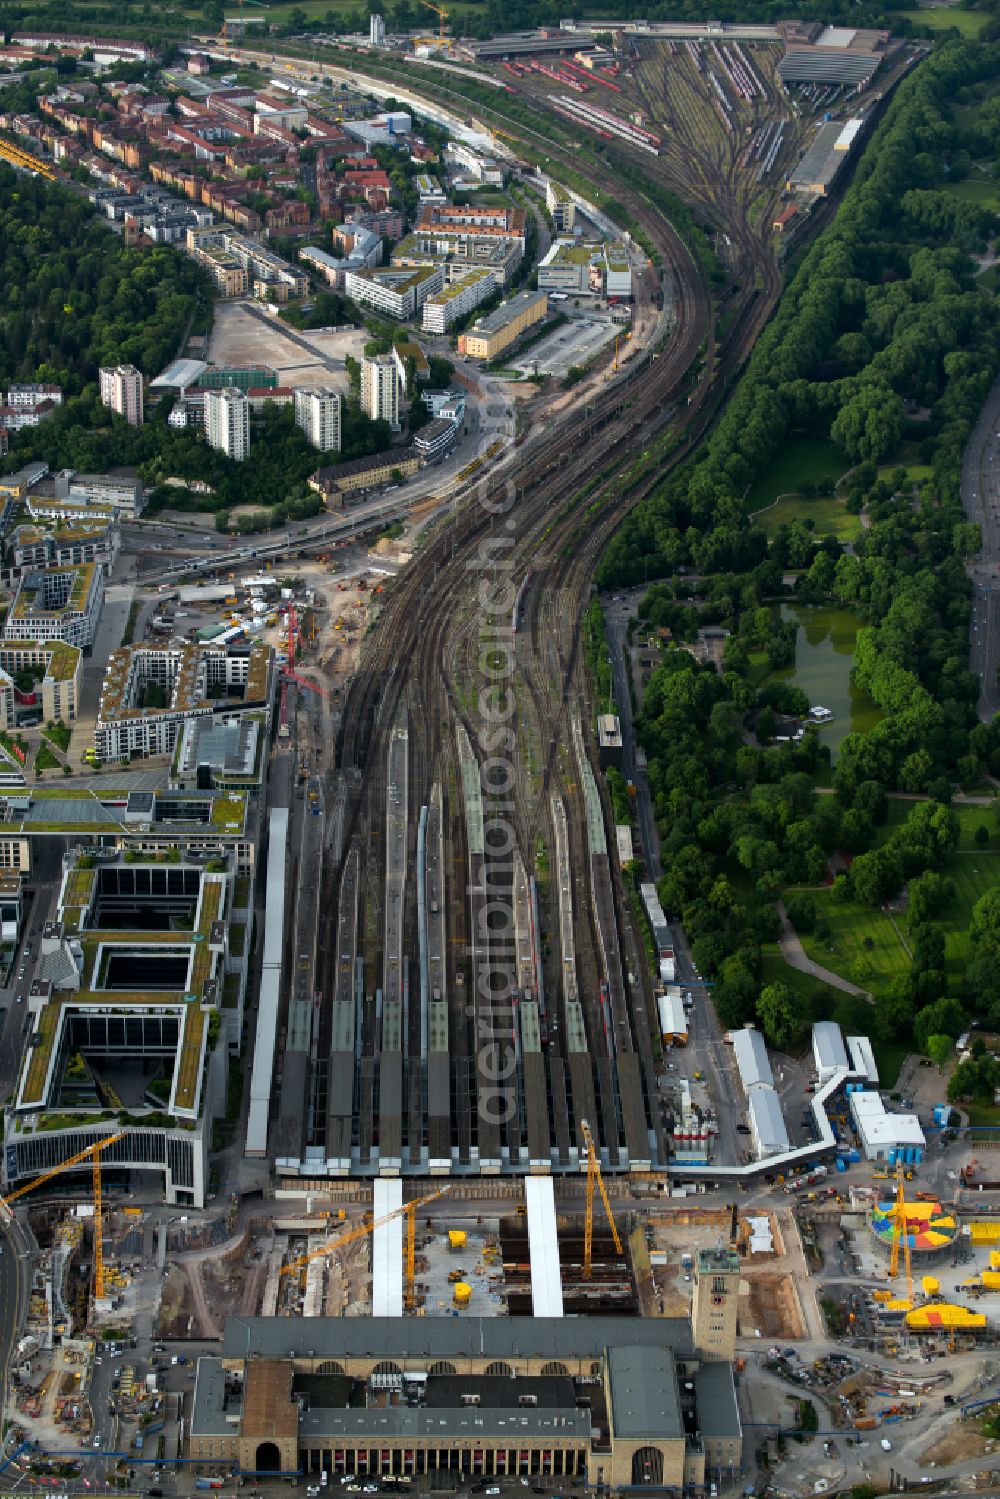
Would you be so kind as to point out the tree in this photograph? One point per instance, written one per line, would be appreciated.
(944, 1017)
(939, 1049)
(801, 912)
(982, 836)
(780, 1012)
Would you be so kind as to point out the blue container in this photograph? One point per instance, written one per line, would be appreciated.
(841, 1165)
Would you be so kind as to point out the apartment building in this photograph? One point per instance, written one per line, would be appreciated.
(492, 334)
(380, 389)
(399, 293)
(58, 603)
(183, 677)
(121, 391)
(30, 396)
(317, 413)
(227, 422)
(60, 684)
(225, 252)
(457, 300)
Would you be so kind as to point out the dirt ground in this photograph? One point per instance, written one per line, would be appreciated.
(769, 1298)
(771, 1307)
(239, 337)
(964, 1440)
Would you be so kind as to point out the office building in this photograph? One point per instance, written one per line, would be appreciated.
(380, 389)
(227, 422)
(317, 412)
(561, 206)
(58, 603)
(121, 391)
(376, 30)
(492, 334)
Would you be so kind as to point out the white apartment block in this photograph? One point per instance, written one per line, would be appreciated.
(31, 396)
(398, 293)
(380, 389)
(121, 391)
(455, 301)
(227, 422)
(317, 412)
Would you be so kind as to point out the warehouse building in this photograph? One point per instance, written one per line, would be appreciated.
(815, 172)
(752, 1060)
(829, 1055)
(828, 66)
(892, 1138)
(767, 1123)
(611, 1401)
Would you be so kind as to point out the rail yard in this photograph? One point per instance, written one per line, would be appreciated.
(482, 1049)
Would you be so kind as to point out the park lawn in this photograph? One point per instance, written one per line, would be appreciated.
(917, 473)
(969, 819)
(986, 1115)
(828, 514)
(820, 997)
(851, 1012)
(973, 873)
(802, 456)
(850, 925)
(975, 190)
(969, 22)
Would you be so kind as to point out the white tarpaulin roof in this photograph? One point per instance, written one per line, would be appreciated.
(387, 1250)
(543, 1243)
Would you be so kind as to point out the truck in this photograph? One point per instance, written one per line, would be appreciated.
(806, 1179)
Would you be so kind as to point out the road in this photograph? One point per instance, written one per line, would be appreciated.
(981, 498)
(12, 1288)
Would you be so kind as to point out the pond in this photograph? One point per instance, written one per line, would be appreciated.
(824, 655)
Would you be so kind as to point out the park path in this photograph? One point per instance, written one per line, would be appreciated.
(796, 956)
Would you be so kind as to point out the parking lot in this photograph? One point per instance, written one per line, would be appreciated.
(573, 343)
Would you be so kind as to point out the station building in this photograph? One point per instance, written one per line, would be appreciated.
(612, 1401)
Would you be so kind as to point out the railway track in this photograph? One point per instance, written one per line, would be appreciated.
(549, 512)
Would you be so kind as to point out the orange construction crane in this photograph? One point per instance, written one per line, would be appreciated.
(594, 1178)
(442, 16)
(362, 1230)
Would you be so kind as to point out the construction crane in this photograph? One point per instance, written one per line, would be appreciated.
(442, 16)
(39, 1181)
(594, 1177)
(362, 1230)
(294, 638)
(901, 1235)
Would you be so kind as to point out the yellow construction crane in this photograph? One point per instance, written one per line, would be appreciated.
(39, 1181)
(94, 1151)
(901, 1235)
(362, 1230)
(442, 15)
(594, 1177)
